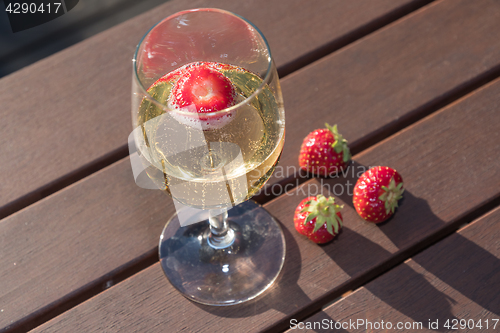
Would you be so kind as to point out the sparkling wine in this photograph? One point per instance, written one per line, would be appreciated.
(217, 160)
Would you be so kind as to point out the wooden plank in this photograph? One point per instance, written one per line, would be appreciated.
(73, 241)
(84, 20)
(109, 204)
(389, 79)
(77, 102)
(432, 156)
(456, 279)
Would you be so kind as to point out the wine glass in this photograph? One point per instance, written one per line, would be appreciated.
(211, 154)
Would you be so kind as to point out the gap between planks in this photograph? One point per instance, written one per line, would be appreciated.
(151, 258)
(316, 306)
(391, 129)
(83, 26)
(357, 147)
(283, 71)
(399, 259)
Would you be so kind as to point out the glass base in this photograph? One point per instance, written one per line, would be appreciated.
(232, 275)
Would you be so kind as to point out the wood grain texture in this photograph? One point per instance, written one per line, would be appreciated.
(73, 241)
(456, 279)
(446, 177)
(387, 80)
(78, 273)
(86, 19)
(69, 115)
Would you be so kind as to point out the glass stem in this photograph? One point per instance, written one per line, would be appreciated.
(221, 236)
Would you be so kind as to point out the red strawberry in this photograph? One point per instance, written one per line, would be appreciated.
(377, 192)
(324, 152)
(318, 218)
(204, 88)
(200, 90)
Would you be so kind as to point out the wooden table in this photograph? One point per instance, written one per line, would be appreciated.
(412, 84)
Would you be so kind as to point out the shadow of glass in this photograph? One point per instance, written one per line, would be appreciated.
(278, 296)
(410, 293)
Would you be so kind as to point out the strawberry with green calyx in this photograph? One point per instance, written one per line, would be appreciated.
(377, 192)
(340, 144)
(318, 218)
(324, 152)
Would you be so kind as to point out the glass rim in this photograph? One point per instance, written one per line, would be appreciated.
(257, 91)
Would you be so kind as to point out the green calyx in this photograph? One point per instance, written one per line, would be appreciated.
(340, 144)
(324, 210)
(391, 195)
